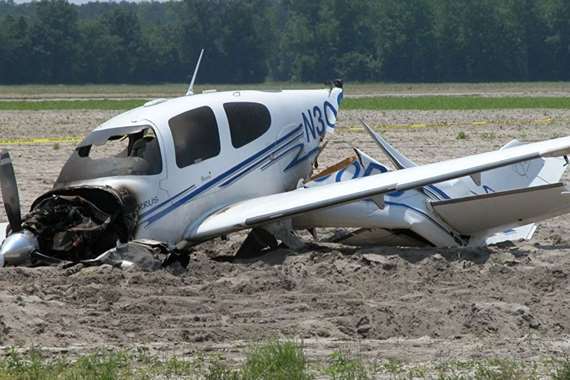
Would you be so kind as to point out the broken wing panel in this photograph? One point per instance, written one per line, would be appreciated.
(512, 234)
(257, 211)
(478, 213)
(398, 159)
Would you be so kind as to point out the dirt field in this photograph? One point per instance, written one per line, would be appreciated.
(416, 305)
(37, 92)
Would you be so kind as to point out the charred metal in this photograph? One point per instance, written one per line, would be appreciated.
(80, 223)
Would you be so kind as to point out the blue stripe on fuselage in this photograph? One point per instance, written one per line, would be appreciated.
(211, 183)
(261, 161)
(298, 159)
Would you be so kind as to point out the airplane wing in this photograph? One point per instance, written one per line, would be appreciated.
(262, 210)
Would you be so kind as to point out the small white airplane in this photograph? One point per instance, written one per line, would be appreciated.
(186, 170)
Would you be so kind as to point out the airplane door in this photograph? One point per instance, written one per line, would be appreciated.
(193, 150)
(197, 141)
(197, 163)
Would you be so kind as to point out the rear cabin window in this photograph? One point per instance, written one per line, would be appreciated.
(248, 121)
(196, 137)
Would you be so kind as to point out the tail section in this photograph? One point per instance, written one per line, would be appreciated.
(542, 171)
(496, 205)
(489, 207)
(332, 104)
(508, 201)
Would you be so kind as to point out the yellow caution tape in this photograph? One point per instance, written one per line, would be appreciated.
(76, 139)
(547, 120)
(40, 140)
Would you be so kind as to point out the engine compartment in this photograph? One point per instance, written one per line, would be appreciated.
(80, 223)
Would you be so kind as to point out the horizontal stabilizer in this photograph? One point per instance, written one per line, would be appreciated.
(491, 211)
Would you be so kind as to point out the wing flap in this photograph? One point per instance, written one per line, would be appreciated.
(270, 208)
(478, 213)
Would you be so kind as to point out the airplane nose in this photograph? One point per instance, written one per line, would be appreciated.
(17, 249)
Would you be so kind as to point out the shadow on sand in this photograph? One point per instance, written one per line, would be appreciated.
(413, 255)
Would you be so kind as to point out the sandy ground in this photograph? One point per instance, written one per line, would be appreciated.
(415, 305)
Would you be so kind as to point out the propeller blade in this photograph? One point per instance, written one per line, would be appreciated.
(9, 189)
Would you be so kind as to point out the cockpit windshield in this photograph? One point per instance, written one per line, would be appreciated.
(114, 152)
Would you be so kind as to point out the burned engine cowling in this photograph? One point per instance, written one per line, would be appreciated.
(80, 223)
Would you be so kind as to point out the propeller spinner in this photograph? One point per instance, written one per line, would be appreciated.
(18, 247)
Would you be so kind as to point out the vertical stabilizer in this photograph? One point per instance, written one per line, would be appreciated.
(332, 105)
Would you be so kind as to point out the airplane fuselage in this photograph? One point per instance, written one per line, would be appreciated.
(224, 166)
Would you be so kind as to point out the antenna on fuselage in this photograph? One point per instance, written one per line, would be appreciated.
(191, 87)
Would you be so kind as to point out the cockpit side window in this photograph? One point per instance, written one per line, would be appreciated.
(110, 153)
(196, 136)
(248, 121)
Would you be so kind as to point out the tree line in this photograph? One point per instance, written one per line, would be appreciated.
(248, 41)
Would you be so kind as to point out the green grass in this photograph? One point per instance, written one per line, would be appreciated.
(90, 90)
(368, 103)
(274, 359)
(93, 366)
(279, 360)
(461, 136)
(352, 88)
(455, 103)
(93, 104)
(138, 90)
(560, 369)
(346, 366)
